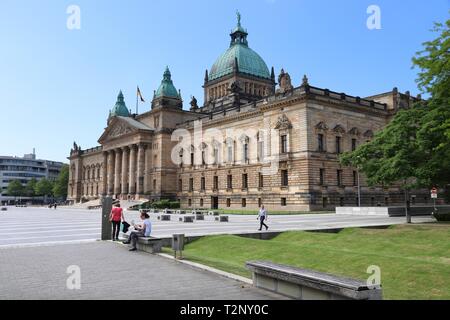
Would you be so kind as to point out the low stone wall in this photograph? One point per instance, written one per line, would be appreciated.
(391, 211)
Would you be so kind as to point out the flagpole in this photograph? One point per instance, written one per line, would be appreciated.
(137, 102)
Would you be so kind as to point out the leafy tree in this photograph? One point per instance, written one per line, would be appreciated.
(414, 148)
(30, 188)
(433, 136)
(61, 184)
(15, 189)
(44, 187)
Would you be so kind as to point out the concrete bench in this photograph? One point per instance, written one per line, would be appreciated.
(164, 217)
(149, 244)
(222, 219)
(306, 284)
(187, 219)
(199, 216)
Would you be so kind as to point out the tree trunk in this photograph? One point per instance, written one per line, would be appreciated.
(407, 206)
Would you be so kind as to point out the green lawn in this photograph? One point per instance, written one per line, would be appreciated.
(414, 259)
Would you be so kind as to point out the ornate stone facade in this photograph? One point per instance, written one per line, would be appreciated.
(241, 148)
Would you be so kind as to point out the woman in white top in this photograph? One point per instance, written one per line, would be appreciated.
(262, 215)
(141, 230)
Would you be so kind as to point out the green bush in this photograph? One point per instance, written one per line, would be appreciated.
(441, 216)
(162, 204)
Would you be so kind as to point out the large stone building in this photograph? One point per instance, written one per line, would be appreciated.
(256, 139)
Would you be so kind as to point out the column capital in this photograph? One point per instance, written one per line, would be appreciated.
(141, 144)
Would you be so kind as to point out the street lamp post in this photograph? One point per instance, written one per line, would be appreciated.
(359, 189)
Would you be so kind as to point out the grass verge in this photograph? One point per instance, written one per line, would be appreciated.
(414, 259)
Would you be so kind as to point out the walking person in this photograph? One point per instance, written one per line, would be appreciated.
(142, 230)
(116, 217)
(262, 215)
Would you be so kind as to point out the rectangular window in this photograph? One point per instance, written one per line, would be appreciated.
(192, 159)
(228, 202)
(216, 156)
(191, 184)
(322, 177)
(355, 178)
(230, 154)
(259, 202)
(339, 177)
(189, 202)
(353, 144)
(284, 178)
(260, 150)
(283, 202)
(284, 146)
(202, 184)
(180, 185)
(229, 181)
(244, 203)
(201, 202)
(203, 158)
(216, 183)
(320, 144)
(154, 184)
(260, 180)
(245, 155)
(244, 181)
(324, 202)
(338, 145)
(342, 202)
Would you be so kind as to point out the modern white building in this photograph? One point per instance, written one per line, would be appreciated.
(24, 169)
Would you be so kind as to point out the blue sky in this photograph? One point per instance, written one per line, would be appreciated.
(57, 85)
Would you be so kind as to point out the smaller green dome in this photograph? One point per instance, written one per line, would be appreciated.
(167, 89)
(120, 108)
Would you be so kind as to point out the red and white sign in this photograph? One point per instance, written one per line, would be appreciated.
(434, 193)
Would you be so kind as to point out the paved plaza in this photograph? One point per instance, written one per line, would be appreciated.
(38, 226)
(109, 271)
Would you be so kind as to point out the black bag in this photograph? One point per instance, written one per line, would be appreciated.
(125, 227)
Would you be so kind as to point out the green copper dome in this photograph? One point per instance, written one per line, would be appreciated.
(120, 109)
(167, 89)
(248, 61)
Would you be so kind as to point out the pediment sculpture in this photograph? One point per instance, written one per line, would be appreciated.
(283, 123)
(119, 130)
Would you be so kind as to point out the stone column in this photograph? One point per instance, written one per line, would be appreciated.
(147, 170)
(105, 174)
(132, 176)
(111, 173)
(125, 171)
(117, 171)
(140, 169)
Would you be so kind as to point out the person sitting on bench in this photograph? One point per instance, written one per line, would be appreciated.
(142, 230)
